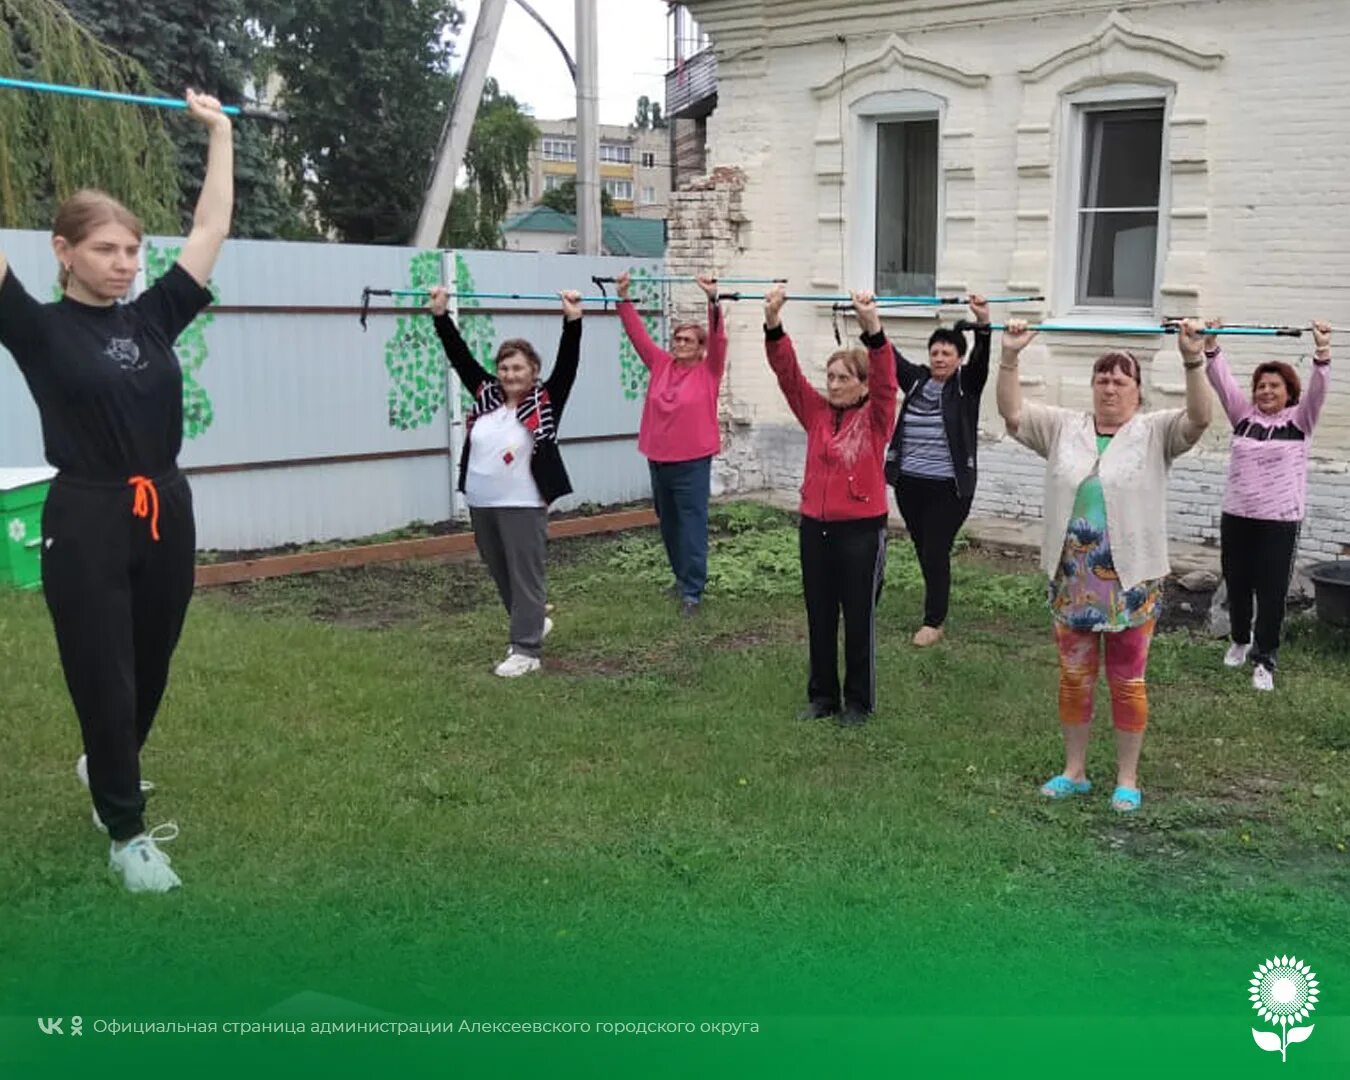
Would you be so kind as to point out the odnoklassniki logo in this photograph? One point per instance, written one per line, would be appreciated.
(1283, 991)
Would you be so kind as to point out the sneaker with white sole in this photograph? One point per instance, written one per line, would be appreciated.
(142, 866)
(1236, 655)
(82, 771)
(515, 665)
(1263, 678)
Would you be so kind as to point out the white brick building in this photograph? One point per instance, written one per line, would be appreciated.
(1127, 161)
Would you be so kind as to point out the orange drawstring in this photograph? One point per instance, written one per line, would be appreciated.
(147, 503)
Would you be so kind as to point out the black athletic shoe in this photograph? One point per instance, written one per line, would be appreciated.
(852, 717)
(817, 710)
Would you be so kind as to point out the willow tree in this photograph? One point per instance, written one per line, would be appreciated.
(52, 144)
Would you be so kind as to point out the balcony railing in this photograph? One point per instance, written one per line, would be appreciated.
(691, 88)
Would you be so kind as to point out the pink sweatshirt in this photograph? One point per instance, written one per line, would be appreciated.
(679, 417)
(1268, 467)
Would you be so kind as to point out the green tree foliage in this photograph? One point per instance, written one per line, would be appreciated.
(51, 145)
(648, 116)
(207, 46)
(497, 162)
(366, 86)
(563, 198)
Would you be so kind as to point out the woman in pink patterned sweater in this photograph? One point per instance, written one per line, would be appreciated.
(1263, 505)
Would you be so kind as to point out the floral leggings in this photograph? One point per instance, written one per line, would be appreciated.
(1126, 659)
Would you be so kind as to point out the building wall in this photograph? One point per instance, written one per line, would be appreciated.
(651, 178)
(1256, 185)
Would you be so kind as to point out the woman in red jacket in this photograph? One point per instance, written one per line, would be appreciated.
(843, 508)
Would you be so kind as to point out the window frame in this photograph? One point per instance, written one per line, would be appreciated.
(569, 148)
(886, 107)
(1068, 221)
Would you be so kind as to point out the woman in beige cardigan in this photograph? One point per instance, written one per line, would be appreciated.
(1105, 544)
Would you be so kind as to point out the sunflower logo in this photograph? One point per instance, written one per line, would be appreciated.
(17, 530)
(1283, 990)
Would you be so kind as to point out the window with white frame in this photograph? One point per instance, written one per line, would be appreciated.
(648, 159)
(553, 181)
(616, 153)
(648, 196)
(1118, 203)
(559, 149)
(906, 206)
(620, 189)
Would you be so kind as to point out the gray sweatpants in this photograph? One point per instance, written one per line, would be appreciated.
(511, 541)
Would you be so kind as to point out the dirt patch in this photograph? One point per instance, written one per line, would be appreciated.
(370, 597)
(742, 640)
(416, 531)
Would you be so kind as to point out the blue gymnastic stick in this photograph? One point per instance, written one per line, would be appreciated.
(253, 112)
(1167, 328)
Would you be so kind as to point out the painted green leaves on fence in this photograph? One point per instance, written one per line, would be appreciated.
(632, 371)
(477, 330)
(198, 413)
(413, 356)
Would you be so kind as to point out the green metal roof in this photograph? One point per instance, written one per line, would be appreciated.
(641, 238)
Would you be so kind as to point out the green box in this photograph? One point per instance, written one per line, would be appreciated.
(22, 495)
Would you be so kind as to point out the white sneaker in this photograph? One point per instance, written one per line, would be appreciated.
(1236, 655)
(515, 665)
(141, 864)
(1263, 678)
(82, 771)
(548, 628)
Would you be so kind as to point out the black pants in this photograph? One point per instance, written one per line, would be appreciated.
(842, 567)
(1257, 558)
(117, 599)
(933, 514)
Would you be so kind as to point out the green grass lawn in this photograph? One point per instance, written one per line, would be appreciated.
(644, 831)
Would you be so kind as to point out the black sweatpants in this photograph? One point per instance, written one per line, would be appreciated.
(843, 563)
(933, 514)
(117, 599)
(1257, 558)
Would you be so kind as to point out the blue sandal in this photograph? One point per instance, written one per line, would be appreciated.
(1061, 787)
(1126, 800)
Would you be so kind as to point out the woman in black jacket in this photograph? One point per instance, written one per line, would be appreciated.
(931, 460)
(511, 469)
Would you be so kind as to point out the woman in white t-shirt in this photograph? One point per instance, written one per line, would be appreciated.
(511, 468)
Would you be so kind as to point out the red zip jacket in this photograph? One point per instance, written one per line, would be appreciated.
(845, 448)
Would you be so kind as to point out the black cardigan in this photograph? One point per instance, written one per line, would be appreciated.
(546, 464)
(960, 411)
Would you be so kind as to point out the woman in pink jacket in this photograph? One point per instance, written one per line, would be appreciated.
(1263, 505)
(679, 434)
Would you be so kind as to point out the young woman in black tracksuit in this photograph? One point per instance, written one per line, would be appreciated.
(931, 459)
(119, 541)
(511, 468)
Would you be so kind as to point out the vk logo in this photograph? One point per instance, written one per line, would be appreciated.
(51, 1025)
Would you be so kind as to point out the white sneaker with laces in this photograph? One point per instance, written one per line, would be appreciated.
(1263, 678)
(140, 863)
(1236, 655)
(82, 771)
(515, 665)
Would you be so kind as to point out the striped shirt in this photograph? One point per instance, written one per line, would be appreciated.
(923, 443)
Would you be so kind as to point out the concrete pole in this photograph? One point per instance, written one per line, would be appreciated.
(459, 126)
(588, 130)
